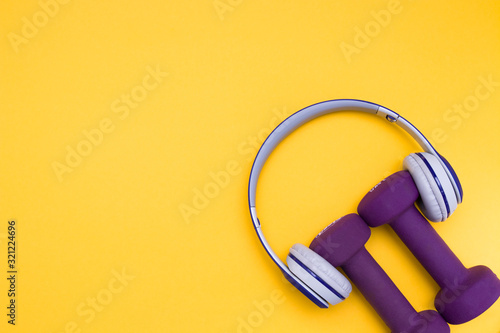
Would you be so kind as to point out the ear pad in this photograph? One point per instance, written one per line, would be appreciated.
(437, 197)
(318, 274)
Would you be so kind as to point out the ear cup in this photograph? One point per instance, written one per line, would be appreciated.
(437, 197)
(318, 274)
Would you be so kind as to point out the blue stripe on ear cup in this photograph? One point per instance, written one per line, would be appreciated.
(301, 264)
(455, 179)
(316, 299)
(422, 157)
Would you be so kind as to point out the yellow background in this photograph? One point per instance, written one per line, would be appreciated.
(234, 67)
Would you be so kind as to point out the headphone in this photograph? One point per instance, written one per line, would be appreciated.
(438, 185)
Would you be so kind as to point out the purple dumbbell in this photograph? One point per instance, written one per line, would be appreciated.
(465, 293)
(342, 244)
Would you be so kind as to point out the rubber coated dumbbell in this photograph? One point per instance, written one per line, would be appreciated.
(342, 244)
(465, 293)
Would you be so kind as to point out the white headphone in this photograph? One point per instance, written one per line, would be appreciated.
(438, 185)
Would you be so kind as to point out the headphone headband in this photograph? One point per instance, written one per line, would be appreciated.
(311, 112)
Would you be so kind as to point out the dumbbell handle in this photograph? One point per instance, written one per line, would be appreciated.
(379, 290)
(428, 247)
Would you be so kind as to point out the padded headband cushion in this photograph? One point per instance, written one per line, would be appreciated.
(437, 198)
(322, 268)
